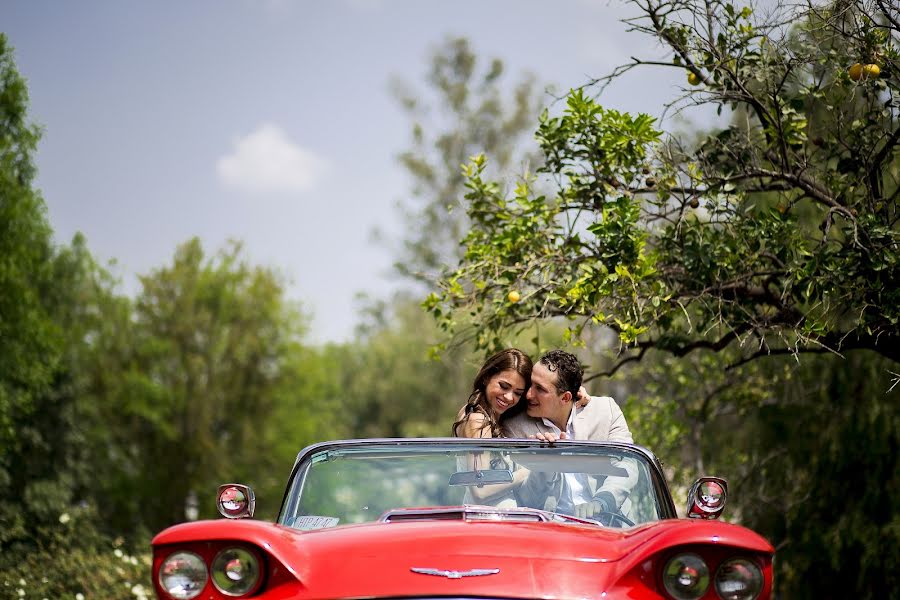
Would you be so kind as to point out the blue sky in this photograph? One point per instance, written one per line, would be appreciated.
(271, 121)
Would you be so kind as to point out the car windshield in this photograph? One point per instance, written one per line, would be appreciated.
(358, 482)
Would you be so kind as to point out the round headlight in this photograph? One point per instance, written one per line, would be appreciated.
(235, 571)
(686, 577)
(711, 495)
(183, 575)
(232, 502)
(739, 579)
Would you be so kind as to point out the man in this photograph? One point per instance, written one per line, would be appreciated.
(552, 414)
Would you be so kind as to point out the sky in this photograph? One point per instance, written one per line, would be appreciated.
(272, 121)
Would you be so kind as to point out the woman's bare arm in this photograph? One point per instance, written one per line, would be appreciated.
(477, 425)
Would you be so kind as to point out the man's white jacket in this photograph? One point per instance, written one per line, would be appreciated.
(600, 420)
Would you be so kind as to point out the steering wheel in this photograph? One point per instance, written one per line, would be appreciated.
(612, 517)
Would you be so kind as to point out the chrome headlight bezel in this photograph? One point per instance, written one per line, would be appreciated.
(746, 570)
(226, 571)
(185, 567)
(686, 564)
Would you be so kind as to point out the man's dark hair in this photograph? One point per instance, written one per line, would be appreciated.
(567, 368)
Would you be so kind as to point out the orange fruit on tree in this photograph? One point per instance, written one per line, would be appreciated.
(513, 296)
(871, 71)
(693, 78)
(867, 71)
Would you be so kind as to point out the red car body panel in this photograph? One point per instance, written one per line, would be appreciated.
(536, 560)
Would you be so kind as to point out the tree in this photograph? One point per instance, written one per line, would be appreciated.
(471, 112)
(830, 498)
(809, 451)
(776, 235)
(37, 451)
(186, 385)
(28, 352)
(49, 307)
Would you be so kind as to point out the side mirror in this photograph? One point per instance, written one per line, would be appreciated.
(235, 501)
(706, 500)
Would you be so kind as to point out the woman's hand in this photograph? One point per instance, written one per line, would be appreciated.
(519, 476)
(583, 398)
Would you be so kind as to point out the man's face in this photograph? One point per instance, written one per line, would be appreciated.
(543, 398)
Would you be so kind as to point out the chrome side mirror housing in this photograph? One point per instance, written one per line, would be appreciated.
(706, 500)
(236, 501)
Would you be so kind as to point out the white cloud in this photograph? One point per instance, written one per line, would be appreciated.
(266, 160)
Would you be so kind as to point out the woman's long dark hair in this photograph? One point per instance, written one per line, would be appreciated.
(511, 358)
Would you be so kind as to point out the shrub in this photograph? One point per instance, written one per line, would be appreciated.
(75, 561)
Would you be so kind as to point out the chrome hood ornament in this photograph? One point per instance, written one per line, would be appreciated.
(453, 574)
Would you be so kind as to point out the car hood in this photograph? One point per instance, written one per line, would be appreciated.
(537, 560)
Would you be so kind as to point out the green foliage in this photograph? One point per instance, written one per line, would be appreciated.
(809, 450)
(73, 561)
(561, 265)
(691, 412)
(185, 384)
(391, 386)
(827, 491)
(305, 409)
(29, 338)
(42, 449)
(777, 234)
(202, 379)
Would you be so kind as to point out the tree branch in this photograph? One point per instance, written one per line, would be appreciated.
(874, 171)
(887, 15)
(633, 358)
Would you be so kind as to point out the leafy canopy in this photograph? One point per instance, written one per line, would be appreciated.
(777, 232)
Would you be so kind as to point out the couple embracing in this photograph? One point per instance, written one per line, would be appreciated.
(511, 397)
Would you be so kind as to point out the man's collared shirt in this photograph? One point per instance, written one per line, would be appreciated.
(575, 488)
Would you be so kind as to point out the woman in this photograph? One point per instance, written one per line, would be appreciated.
(497, 392)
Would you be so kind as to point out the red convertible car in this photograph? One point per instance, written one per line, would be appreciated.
(468, 518)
